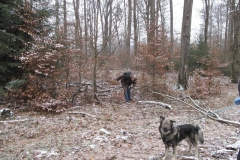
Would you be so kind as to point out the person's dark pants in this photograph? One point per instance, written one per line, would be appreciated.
(127, 93)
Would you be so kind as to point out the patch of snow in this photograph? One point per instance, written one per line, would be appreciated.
(102, 130)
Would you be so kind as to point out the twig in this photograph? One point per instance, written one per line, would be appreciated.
(168, 106)
(84, 114)
(173, 98)
(75, 107)
(12, 121)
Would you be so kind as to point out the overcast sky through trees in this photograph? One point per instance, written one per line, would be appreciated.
(196, 19)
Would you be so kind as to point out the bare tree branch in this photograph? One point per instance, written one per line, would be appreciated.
(13, 121)
(205, 112)
(168, 106)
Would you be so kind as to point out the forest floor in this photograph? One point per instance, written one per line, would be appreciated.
(122, 131)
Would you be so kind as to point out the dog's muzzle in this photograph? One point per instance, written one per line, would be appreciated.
(165, 129)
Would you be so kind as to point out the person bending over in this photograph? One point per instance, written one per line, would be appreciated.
(127, 79)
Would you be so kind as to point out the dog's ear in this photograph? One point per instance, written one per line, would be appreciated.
(161, 118)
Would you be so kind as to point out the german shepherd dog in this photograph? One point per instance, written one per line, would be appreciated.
(172, 135)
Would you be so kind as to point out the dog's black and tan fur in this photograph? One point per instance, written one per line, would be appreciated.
(172, 135)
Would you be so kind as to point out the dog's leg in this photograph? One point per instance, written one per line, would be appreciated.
(189, 144)
(196, 151)
(195, 144)
(174, 157)
(166, 152)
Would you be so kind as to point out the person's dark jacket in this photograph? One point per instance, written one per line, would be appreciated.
(126, 80)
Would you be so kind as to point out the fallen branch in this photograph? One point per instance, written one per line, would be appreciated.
(205, 112)
(234, 146)
(75, 107)
(12, 121)
(102, 91)
(157, 103)
(84, 114)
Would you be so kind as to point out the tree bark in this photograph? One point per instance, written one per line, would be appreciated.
(57, 20)
(185, 44)
(64, 19)
(77, 24)
(110, 26)
(207, 7)
(152, 21)
(95, 49)
(226, 29)
(148, 21)
(128, 33)
(85, 30)
(236, 46)
(171, 27)
(135, 26)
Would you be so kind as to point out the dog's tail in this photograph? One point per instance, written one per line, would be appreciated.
(200, 135)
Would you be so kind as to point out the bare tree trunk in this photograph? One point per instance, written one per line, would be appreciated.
(110, 27)
(57, 20)
(185, 44)
(64, 19)
(236, 46)
(162, 18)
(158, 12)
(128, 33)
(135, 26)
(95, 49)
(78, 37)
(231, 39)
(171, 27)
(207, 8)
(152, 21)
(106, 26)
(85, 30)
(226, 29)
(78, 31)
(148, 21)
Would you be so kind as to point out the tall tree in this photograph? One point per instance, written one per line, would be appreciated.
(12, 41)
(171, 27)
(236, 44)
(85, 29)
(65, 18)
(135, 26)
(152, 32)
(185, 44)
(57, 14)
(226, 27)
(110, 26)
(207, 8)
(20, 22)
(147, 19)
(106, 22)
(78, 31)
(128, 38)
